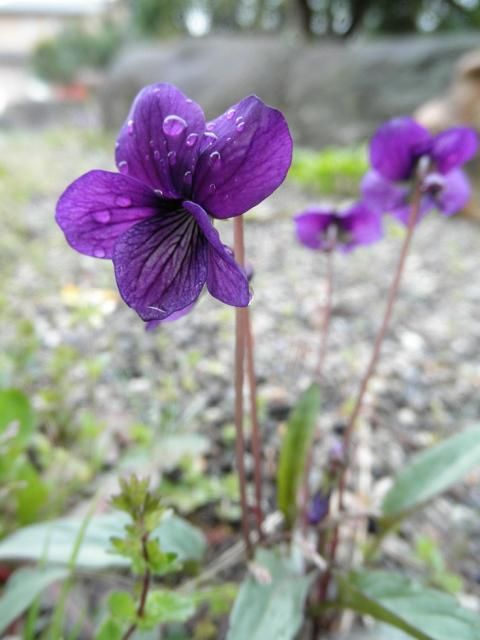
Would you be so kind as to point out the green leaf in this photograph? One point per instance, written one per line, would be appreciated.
(420, 611)
(122, 606)
(166, 606)
(273, 610)
(219, 597)
(22, 588)
(17, 420)
(433, 471)
(109, 630)
(295, 448)
(54, 541)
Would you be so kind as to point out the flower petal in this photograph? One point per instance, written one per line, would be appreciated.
(363, 224)
(95, 210)
(159, 142)
(310, 226)
(454, 147)
(382, 194)
(161, 264)
(226, 280)
(455, 194)
(176, 315)
(248, 158)
(396, 146)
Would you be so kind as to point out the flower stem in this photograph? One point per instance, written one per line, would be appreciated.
(240, 343)
(377, 346)
(256, 435)
(145, 587)
(327, 314)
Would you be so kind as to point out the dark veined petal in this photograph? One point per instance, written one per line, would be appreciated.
(362, 224)
(161, 264)
(455, 194)
(381, 194)
(454, 147)
(396, 146)
(310, 227)
(226, 280)
(160, 140)
(95, 210)
(176, 315)
(246, 154)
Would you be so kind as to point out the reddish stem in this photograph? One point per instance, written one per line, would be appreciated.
(377, 346)
(256, 435)
(327, 314)
(145, 587)
(240, 324)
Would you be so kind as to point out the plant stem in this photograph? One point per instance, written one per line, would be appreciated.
(327, 314)
(240, 325)
(256, 435)
(377, 346)
(145, 587)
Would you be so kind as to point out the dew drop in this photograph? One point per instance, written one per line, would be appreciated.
(191, 139)
(123, 166)
(215, 158)
(189, 101)
(99, 252)
(173, 126)
(102, 216)
(212, 188)
(187, 177)
(130, 129)
(152, 143)
(209, 138)
(123, 201)
(172, 158)
(230, 114)
(239, 124)
(158, 192)
(156, 154)
(228, 249)
(210, 126)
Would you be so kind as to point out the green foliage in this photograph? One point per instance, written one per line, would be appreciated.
(428, 552)
(431, 472)
(23, 587)
(422, 612)
(166, 606)
(333, 170)
(273, 609)
(294, 451)
(59, 59)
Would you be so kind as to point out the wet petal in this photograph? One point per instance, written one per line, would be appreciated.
(363, 225)
(454, 147)
(95, 210)
(311, 225)
(396, 146)
(161, 264)
(246, 156)
(382, 194)
(176, 315)
(226, 280)
(159, 142)
(455, 194)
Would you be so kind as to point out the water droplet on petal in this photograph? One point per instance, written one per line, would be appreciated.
(209, 138)
(191, 139)
(174, 125)
(189, 101)
(99, 252)
(102, 216)
(158, 192)
(156, 154)
(239, 124)
(212, 188)
(172, 158)
(230, 114)
(252, 295)
(152, 143)
(187, 177)
(228, 249)
(123, 166)
(215, 158)
(130, 125)
(123, 201)
(210, 126)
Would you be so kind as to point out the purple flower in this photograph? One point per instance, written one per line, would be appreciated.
(319, 507)
(154, 218)
(400, 150)
(327, 229)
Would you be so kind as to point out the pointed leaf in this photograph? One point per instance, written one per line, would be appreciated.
(295, 448)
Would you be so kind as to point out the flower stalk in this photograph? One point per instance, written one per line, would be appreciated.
(147, 576)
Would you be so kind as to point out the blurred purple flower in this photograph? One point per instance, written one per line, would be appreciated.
(399, 149)
(327, 229)
(176, 174)
(319, 507)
